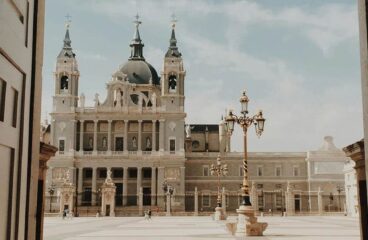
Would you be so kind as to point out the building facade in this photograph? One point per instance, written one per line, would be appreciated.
(139, 134)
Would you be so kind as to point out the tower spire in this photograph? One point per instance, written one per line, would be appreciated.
(136, 44)
(67, 51)
(173, 49)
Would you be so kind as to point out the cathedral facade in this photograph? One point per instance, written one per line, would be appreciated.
(138, 135)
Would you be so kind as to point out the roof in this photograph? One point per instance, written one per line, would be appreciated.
(203, 127)
(140, 72)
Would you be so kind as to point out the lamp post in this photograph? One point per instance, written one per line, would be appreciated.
(51, 191)
(245, 209)
(339, 190)
(219, 170)
(169, 190)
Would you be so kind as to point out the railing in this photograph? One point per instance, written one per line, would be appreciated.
(118, 152)
(87, 152)
(101, 152)
(132, 152)
(147, 152)
(61, 152)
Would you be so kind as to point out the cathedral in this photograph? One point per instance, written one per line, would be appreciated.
(138, 138)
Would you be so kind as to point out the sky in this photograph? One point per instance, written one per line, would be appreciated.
(298, 60)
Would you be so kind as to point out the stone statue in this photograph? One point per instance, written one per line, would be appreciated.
(188, 131)
(153, 99)
(118, 98)
(148, 142)
(97, 101)
(109, 172)
(90, 142)
(104, 142)
(134, 142)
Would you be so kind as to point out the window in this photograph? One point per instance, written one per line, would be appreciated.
(64, 83)
(206, 200)
(172, 84)
(241, 172)
(259, 186)
(102, 173)
(278, 171)
(296, 171)
(88, 173)
(147, 173)
(259, 171)
(172, 145)
(2, 99)
(61, 145)
(206, 171)
(117, 173)
(133, 173)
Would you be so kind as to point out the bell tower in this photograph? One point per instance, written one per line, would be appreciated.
(66, 77)
(172, 76)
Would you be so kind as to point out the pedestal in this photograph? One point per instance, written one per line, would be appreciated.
(247, 222)
(219, 214)
(108, 191)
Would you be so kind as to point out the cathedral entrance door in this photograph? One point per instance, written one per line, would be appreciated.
(146, 196)
(119, 194)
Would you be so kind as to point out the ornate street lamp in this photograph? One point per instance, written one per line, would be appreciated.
(245, 122)
(169, 190)
(219, 170)
(51, 191)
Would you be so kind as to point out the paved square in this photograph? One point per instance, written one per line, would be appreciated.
(175, 228)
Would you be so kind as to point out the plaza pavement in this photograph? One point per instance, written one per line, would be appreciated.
(199, 228)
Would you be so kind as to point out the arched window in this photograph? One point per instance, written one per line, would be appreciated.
(64, 83)
(172, 83)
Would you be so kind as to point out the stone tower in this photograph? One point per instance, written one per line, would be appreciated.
(172, 77)
(66, 78)
(65, 99)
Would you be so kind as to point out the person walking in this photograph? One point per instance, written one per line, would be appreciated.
(149, 213)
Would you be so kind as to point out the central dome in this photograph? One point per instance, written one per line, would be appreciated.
(140, 72)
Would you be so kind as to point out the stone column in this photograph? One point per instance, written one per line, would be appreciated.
(153, 186)
(94, 192)
(139, 135)
(320, 201)
(81, 133)
(125, 186)
(109, 136)
(195, 201)
(72, 146)
(168, 204)
(140, 201)
(139, 179)
(223, 200)
(126, 124)
(162, 135)
(290, 202)
(52, 132)
(80, 185)
(160, 192)
(182, 181)
(95, 137)
(154, 135)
